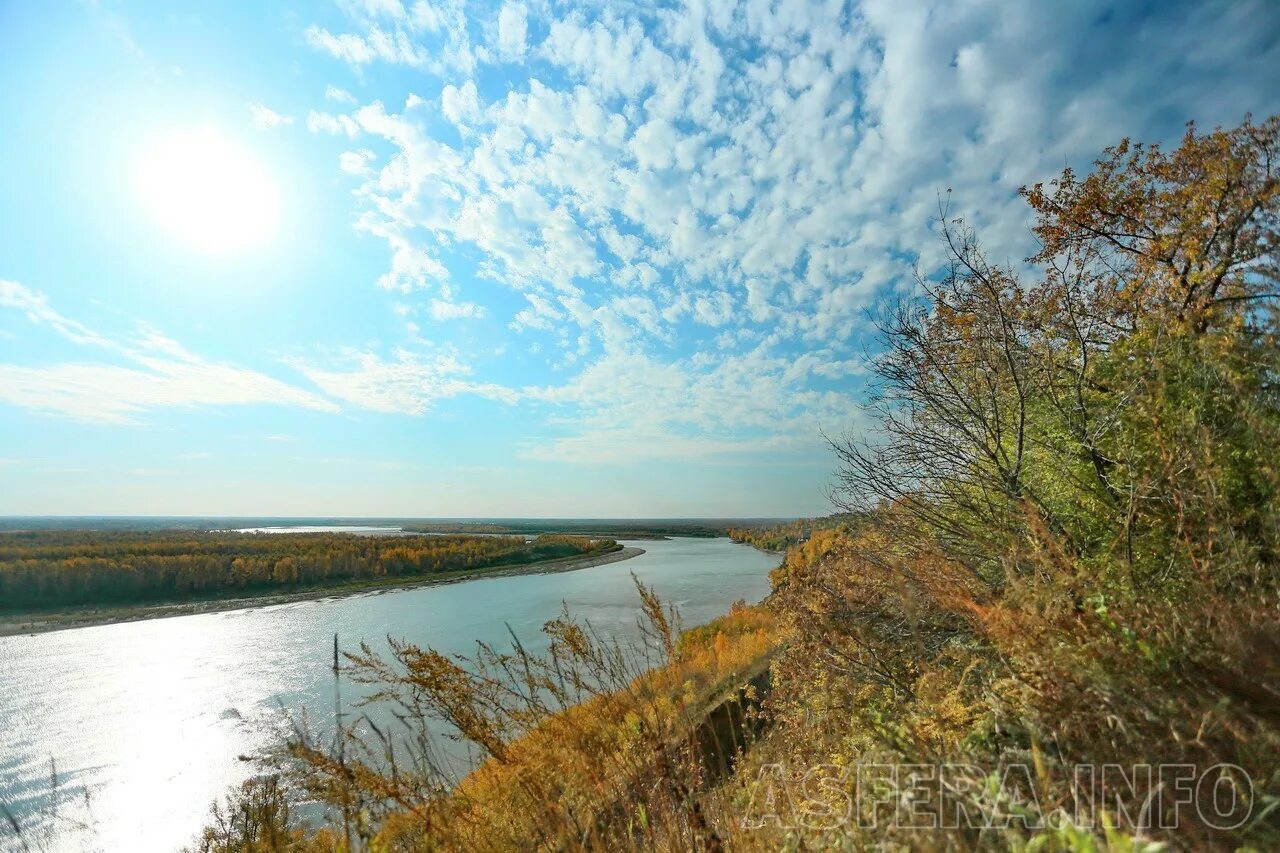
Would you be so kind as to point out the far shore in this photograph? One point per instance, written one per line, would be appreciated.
(781, 553)
(83, 617)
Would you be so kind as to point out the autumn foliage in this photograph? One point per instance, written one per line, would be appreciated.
(50, 568)
(1057, 548)
(1066, 553)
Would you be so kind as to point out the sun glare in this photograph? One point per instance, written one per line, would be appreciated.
(208, 191)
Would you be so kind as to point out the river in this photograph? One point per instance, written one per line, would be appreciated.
(143, 722)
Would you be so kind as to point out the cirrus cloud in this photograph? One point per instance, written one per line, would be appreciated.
(157, 372)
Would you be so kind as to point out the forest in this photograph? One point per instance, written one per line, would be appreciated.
(783, 535)
(613, 529)
(55, 568)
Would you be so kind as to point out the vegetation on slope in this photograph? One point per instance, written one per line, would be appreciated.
(50, 568)
(588, 741)
(779, 537)
(1067, 550)
(1063, 557)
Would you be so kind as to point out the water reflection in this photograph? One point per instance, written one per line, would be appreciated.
(150, 717)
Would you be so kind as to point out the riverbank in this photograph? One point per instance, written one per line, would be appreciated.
(83, 617)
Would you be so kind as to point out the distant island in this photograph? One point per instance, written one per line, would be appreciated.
(62, 578)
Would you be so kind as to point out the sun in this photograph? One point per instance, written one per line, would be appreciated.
(210, 192)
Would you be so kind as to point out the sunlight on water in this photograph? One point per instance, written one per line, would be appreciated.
(150, 718)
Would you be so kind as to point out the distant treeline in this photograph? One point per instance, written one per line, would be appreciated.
(616, 529)
(780, 537)
(42, 569)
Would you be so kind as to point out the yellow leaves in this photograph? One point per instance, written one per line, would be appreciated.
(1181, 228)
(625, 746)
(720, 648)
(571, 636)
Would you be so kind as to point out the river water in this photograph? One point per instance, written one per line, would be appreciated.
(143, 722)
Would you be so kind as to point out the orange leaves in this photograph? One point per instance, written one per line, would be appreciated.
(590, 745)
(1186, 231)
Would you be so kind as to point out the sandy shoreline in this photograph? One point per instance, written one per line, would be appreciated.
(40, 623)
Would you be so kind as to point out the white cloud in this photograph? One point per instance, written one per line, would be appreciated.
(122, 395)
(395, 47)
(512, 28)
(653, 146)
(429, 35)
(742, 181)
(408, 385)
(153, 371)
(266, 118)
(627, 405)
(348, 47)
(37, 309)
(444, 310)
(335, 125)
(412, 268)
(339, 95)
(539, 315)
(392, 9)
(356, 162)
(157, 373)
(460, 105)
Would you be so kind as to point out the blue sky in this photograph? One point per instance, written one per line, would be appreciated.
(384, 257)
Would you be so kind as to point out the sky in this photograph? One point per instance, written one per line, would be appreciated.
(411, 258)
